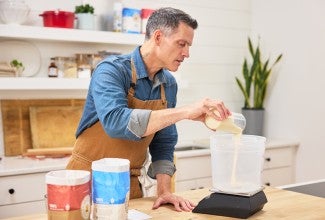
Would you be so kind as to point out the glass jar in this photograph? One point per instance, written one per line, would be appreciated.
(94, 60)
(83, 65)
(70, 67)
(67, 67)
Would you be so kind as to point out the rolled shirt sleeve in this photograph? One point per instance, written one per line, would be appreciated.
(161, 167)
(138, 122)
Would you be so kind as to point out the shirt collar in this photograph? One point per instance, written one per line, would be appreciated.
(141, 68)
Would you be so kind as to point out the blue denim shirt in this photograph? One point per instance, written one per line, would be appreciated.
(107, 101)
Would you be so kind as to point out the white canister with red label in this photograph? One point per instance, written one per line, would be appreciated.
(68, 194)
(145, 14)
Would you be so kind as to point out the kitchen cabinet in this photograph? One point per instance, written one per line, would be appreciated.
(22, 184)
(280, 163)
(22, 192)
(41, 87)
(193, 170)
(194, 166)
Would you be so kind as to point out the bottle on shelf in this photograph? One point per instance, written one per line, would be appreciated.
(53, 69)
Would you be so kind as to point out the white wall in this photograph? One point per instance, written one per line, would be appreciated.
(215, 57)
(296, 29)
(295, 108)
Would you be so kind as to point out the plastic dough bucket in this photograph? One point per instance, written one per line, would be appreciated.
(110, 188)
(237, 162)
(68, 194)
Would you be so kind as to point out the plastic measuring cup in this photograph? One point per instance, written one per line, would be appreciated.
(235, 123)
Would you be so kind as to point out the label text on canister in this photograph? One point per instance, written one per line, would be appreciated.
(110, 187)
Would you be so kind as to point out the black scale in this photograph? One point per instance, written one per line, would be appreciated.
(232, 205)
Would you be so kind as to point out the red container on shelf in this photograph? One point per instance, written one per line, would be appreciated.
(61, 19)
(145, 14)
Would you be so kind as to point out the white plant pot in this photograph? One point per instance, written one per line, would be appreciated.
(85, 21)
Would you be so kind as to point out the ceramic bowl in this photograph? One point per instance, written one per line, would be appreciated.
(14, 12)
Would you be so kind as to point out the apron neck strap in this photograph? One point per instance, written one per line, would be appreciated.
(134, 82)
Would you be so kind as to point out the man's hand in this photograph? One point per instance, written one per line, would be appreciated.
(166, 197)
(199, 110)
(179, 203)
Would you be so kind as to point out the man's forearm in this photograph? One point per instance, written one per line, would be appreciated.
(160, 119)
(163, 184)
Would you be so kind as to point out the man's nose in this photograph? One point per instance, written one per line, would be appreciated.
(186, 51)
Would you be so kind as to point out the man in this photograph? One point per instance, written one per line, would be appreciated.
(131, 102)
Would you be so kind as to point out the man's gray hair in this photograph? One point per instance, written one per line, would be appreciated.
(167, 19)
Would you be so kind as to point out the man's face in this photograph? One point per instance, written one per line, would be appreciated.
(174, 48)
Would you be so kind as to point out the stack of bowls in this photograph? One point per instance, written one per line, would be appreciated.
(14, 11)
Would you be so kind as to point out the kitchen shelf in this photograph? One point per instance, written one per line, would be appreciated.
(42, 83)
(43, 87)
(70, 35)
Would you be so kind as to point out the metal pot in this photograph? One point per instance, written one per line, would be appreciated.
(61, 19)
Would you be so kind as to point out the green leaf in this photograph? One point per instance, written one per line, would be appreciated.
(84, 9)
(246, 96)
(257, 75)
(16, 63)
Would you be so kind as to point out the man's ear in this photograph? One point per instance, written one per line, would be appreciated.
(157, 36)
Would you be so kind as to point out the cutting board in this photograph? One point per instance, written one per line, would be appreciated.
(16, 123)
(54, 126)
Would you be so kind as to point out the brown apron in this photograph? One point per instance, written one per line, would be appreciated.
(94, 144)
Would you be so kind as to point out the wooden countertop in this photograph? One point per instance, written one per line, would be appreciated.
(281, 204)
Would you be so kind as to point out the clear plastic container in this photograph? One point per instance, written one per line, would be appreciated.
(83, 65)
(237, 162)
(235, 123)
(117, 17)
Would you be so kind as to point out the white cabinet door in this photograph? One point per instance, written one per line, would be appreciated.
(193, 167)
(278, 157)
(193, 184)
(193, 172)
(185, 185)
(22, 194)
(19, 209)
(22, 188)
(277, 176)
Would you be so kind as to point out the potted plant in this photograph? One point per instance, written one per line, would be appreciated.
(18, 66)
(254, 86)
(85, 17)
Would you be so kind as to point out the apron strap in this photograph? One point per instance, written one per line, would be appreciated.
(134, 82)
(134, 79)
(162, 94)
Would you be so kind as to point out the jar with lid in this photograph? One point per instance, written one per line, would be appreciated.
(83, 65)
(70, 67)
(94, 60)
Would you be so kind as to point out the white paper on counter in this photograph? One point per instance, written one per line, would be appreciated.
(136, 215)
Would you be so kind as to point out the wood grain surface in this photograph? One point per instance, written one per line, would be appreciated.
(54, 126)
(49, 152)
(16, 121)
(281, 204)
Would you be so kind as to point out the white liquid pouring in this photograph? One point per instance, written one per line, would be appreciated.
(229, 125)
